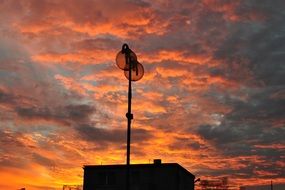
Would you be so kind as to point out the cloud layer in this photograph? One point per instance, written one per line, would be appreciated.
(212, 97)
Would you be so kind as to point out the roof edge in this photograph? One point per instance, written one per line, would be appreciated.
(139, 165)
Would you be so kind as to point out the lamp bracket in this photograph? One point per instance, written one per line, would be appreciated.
(129, 115)
(125, 48)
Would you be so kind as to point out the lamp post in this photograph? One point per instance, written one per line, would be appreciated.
(127, 61)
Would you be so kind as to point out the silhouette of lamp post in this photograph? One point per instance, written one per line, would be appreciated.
(127, 61)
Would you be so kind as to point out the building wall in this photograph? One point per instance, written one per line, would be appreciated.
(145, 178)
(186, 183)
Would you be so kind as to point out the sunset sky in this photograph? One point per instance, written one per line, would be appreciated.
(212, 98)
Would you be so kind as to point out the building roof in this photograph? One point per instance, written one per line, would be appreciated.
(173, 165)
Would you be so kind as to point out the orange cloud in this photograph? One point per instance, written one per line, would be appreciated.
(71, 84)
(82, 57)
(178, 56)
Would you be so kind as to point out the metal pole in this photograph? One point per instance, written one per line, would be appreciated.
(129, 116)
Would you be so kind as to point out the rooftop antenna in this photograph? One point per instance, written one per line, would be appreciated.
(127, 61)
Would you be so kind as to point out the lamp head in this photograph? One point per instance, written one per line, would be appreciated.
(126, 59)
(137, 72)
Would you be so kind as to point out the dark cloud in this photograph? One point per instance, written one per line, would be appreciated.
(100, 135)
(254, 49)
(253, 112)
(186, 144)
(91, 133)
(99, 44)
(241, 139)
(6, 98)
(11, 146)
(10, 139)
(255, 119)
(43, 160)
(66, 114)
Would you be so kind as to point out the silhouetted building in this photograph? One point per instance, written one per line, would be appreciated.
(157, 176)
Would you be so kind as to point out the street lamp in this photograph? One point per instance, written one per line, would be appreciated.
(127, 61)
